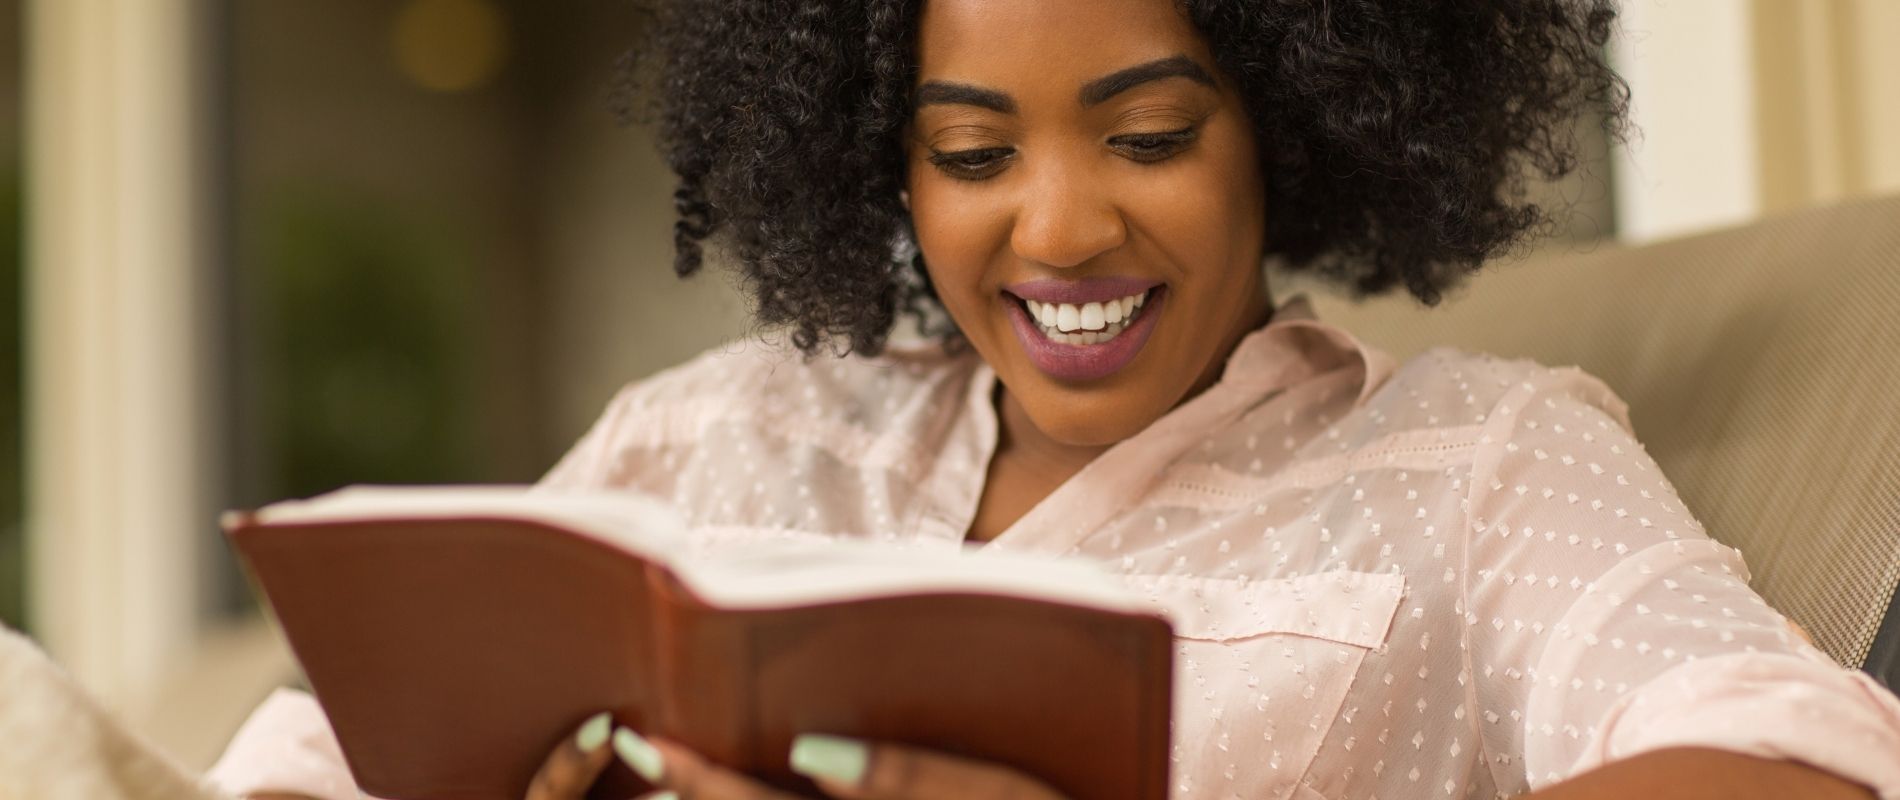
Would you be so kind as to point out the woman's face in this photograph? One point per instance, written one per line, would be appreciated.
(1088, 201)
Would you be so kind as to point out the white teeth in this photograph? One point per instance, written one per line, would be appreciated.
(1089, 323)
(1081, 337)
(1068, 318)
(1092, 317)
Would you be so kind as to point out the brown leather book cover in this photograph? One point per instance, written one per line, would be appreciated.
(452, 650)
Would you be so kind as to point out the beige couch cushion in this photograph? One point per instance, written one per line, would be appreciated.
(1762, 369)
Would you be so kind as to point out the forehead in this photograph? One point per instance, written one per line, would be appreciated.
(1016, 45)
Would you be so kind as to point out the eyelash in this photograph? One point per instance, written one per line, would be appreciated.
(983, 163)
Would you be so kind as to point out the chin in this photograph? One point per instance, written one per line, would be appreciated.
(1088, 421)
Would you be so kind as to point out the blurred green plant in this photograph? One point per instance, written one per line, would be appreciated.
(12, 536)
(366, 346)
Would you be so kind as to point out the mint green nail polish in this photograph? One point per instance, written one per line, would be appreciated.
(594, 732)
(830, 757)
(666, 795)
(639, 755)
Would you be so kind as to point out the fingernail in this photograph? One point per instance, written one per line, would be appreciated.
(639, 755)
(594, 732)
(830, 757)
(666, 795)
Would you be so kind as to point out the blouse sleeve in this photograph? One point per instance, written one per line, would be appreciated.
(650, 430)
(1602, 621)
(592, 459)
(286, 746)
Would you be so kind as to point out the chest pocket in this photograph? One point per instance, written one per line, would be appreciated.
(1262, 668)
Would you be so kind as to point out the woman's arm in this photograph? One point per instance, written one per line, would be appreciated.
(1603, 624)
(1695, 773)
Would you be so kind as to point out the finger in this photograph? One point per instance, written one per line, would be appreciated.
(678, 768)
(855, 770)
(1802, 631)
(575, 762)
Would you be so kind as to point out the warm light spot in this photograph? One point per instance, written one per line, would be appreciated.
(450, 45)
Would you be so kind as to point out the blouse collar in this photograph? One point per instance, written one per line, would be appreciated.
(1292, 347)
(1296, 344)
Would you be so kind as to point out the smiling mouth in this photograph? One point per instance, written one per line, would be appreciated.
(1086, 323)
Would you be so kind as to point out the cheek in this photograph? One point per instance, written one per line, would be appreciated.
(959, 234)
(1206, 221)
(1207, 218)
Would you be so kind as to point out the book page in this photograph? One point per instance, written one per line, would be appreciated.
(765, 575)
(644, 525)
(787, 574)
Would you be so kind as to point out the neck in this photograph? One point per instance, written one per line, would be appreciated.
(1026, 444)
(1257, 314)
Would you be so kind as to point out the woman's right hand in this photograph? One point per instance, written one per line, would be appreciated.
(575, 763)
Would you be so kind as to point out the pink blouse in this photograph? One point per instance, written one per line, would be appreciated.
(1459, 576)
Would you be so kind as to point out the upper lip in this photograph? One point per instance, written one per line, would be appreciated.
(1080, 291)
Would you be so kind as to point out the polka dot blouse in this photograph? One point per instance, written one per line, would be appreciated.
(1459, 576)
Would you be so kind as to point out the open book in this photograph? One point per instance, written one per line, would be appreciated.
(455, 635)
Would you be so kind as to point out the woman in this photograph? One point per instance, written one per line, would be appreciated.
(1454, 577)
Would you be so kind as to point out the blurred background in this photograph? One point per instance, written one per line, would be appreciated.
(252, 249)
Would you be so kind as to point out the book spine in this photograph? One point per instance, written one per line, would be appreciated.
(705, 664)
(664, 607)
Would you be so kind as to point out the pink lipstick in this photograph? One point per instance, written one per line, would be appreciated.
(1084, 330)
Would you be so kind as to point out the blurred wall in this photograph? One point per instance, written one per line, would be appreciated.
(380, 237)
(612, 309)
(10, 82)
(549, 217)
(1748, 107)
(1828, 77)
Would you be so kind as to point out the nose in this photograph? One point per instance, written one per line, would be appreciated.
(1065, 220)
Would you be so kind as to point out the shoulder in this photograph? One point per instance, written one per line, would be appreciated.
(1556, 453)
(755, 394)
(1450, 386)
(753, 379)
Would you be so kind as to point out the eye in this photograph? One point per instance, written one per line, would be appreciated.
(971, 165)
(1148, 148)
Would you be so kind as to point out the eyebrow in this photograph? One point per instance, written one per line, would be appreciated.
(946, 93)
(1099, 90)
(1093, 93)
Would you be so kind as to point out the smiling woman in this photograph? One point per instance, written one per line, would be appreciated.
(1457, 576)
(1101, 163)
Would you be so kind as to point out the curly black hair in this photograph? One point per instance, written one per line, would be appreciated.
(1395, 136)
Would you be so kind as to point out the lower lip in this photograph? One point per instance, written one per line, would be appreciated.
(1085, 362)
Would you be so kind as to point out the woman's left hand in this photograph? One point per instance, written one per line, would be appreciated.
(843, 768)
